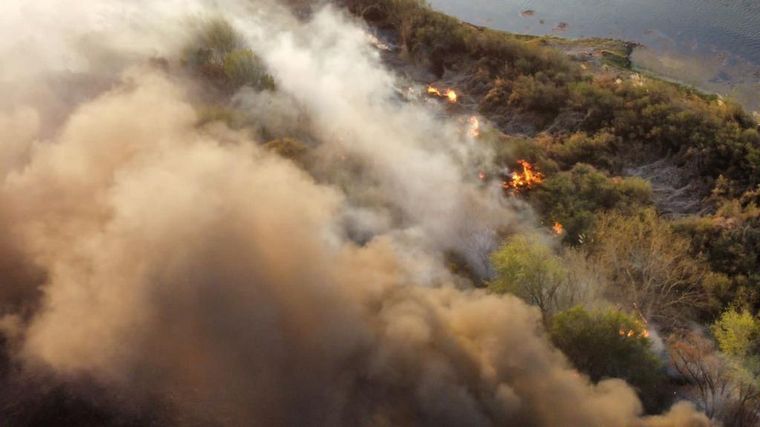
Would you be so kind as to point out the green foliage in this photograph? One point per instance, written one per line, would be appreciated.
(730, 241)
(528, 269)
(540, 75)
(242, 68)
(598, 150)
(608, 344)
(219, 54)
(574, 198)
(538, 93)
(737, 333)
(714, 137)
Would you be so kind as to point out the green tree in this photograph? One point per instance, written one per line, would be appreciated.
(608, 344)
(530, 270)
(737, 333)
(220, 54)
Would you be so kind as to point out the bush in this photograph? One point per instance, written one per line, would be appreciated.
(576, 197)
(219, 54)
(608, 344)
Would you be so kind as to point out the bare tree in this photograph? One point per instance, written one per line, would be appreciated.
(695, 359)
(716, 384)
(649, 267)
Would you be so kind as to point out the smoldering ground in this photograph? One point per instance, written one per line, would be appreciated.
(184, 272)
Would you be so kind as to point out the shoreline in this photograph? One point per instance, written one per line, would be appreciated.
(620, 54)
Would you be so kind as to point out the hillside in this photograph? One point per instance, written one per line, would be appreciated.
(364, 213)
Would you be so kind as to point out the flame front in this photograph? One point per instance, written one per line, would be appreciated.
(528, 178)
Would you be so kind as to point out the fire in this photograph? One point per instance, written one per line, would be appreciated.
(448, 94)
(558, 229)
(474, 130)
(528, 178)
(452, 96)
(627, 334)
(482, 176)
(631, 333)
(434, 91)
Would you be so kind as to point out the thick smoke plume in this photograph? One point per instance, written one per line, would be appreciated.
(169, 262)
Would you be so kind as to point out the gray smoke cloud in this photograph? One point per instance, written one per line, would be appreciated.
(186, 264)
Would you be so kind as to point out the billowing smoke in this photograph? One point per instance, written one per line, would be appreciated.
(186, 265)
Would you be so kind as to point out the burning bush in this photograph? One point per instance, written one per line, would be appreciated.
(524, 179)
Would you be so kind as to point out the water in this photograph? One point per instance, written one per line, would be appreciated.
(711, 44)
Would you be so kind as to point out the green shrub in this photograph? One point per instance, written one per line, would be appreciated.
(575, 197)
(609, 344)
(219, 54)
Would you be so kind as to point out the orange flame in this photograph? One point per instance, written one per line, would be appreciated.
(630, 333)
(434, 91)
(474, 130)
(529, 177)
(558, 229)
(448, 94)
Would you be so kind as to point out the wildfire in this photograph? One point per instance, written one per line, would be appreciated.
(558, 229)
(631, 333)
(448, 94)
(528, 178)
(474, 130)
(482, 176)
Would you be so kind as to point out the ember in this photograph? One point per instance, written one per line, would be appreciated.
(529, 178)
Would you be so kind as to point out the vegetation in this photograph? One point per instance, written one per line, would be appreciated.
(609, 344)
(220, 54)
(530, 270)
(575, 197)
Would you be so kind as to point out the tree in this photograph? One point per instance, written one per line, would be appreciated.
(608, 344)
(220, 54)
(737, 333)
(649, 266)
(694, 358)
(723, 388)
(528, 269)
